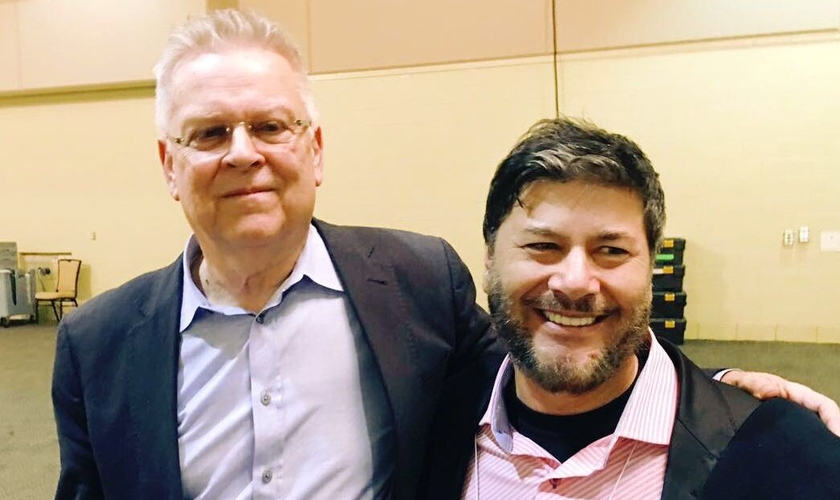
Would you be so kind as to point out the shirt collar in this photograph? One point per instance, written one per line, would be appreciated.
(314, 263)
(652, 408)
(648, 416)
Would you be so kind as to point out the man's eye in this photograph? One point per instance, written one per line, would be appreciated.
(541, 246)
(271, 127)
(210, 133)
(608, 250)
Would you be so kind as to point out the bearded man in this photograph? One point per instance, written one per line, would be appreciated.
(589, 403)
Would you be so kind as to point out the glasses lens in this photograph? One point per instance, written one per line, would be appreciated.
(210, 138)
(272, 132)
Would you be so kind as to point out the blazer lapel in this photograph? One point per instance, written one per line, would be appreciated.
(151, 372)
(372, 287)
(689, 465)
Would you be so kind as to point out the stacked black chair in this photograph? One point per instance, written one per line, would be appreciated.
(668, 307)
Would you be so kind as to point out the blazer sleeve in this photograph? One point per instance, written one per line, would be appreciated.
(782, 451)
(475, 339)
(79, 478)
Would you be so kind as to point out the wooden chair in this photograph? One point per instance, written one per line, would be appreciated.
(66, 288)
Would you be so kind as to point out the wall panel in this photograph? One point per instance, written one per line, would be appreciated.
(293, 15)
(9, 47)
(598, 24)
(386, 33)
(84, 42)
(221, 4)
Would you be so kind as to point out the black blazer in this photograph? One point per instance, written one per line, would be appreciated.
(114, 383)
(725, 444)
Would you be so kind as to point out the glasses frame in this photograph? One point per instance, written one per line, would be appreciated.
(297, 126)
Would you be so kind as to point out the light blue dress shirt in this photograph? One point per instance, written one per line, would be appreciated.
(288, 403)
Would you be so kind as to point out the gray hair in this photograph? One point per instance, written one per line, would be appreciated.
(217, 31)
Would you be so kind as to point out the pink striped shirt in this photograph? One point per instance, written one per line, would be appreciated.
(628, 464)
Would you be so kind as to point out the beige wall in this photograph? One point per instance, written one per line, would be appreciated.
(338, 35)
(415, 149)
(599, 24)
(78, 165)
(69, 43)
(9, 67)
(742, 130)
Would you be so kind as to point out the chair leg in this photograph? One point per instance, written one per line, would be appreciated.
(56, 311)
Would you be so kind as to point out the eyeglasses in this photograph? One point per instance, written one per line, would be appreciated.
(216, 138)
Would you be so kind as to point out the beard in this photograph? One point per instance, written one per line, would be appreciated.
(564, 373)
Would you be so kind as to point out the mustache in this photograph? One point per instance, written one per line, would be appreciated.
(586, 305)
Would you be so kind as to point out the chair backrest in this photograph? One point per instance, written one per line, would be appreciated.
(68, 275)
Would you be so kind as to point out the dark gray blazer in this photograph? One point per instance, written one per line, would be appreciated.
(114, 384)
(725, 444)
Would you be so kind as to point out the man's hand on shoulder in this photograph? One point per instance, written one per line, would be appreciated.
(766, 386)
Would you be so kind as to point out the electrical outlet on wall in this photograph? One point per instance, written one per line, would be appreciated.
(830, 241)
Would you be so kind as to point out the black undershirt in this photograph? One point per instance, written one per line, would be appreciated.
(565, 435)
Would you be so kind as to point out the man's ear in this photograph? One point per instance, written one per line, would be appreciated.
(168, 169)
(318, 156)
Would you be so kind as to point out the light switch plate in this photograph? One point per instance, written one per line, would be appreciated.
(788, 237)
(804, 234)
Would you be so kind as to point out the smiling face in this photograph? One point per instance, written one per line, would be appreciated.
(252, 194)
(569, 283)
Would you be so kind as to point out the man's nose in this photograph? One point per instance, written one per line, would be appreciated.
(575, 275)
(243, 150)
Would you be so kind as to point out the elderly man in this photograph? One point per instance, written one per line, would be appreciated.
(588, 404)
(279, 356)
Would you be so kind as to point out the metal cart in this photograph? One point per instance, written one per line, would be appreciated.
(17, 295)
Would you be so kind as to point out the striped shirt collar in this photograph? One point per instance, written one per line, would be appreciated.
(648, 416)
(314, 262)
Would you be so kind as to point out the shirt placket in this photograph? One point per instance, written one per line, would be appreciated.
(267, 404)
(553, 486)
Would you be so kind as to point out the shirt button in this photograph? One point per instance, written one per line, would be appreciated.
(265, 399)
(267, 475)
(260, 318)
